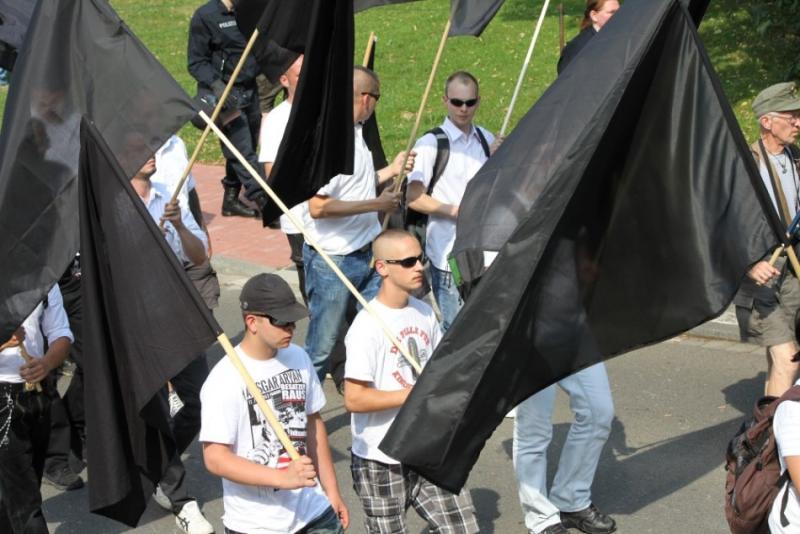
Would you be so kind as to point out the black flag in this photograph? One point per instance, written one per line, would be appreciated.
(470, 17)
(318, 143)
(79, 59)
(628, 220)
(143, 323)
(15, 16)
(361, 5)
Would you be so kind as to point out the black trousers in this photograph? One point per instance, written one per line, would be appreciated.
(22, 461)
(185, 427)
(243, 132)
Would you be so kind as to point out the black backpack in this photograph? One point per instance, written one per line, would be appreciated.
(754, 475)
(414, 221)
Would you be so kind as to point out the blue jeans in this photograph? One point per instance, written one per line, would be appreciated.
(590, 401)
(446, 294)
(328, 297)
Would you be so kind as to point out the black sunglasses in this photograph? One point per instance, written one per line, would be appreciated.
(406, 262)
(376, 96)
(457, 102)
(276, 322)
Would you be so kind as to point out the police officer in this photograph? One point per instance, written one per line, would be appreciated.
(215, 46)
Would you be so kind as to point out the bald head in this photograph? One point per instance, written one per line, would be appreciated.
(364, 81)
(392, 244)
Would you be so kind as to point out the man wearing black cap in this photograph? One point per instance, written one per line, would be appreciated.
(264, 490)
(769, 298)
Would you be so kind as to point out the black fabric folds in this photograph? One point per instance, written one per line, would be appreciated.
(470, 17)
(361, 5)
(79, 59)
(370, 130)
(15, 16)
(143, 323)
(623, 216)
(318, 143)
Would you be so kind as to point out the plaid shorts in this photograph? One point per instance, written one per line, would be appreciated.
(386, 492)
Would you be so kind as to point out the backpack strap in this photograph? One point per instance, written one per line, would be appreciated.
(777, 188)
(784, 480)
(442, 156)
(484, 142)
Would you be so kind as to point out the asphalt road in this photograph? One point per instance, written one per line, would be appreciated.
(677, 405)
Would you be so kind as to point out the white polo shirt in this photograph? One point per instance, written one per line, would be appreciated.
(343, 235)
(466, 157)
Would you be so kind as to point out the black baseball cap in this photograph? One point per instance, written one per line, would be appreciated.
(269, 294)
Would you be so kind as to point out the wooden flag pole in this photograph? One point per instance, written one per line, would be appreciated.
(790, 254)
(276, 426)
(524, 68)
(313, 243)
(413, 137)
(28, 359)
(214, 116)
(368, 51)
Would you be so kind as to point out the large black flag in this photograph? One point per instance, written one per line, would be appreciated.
(78, 59)
(361, 5)
(470, 17)
(143, 323)
(318, 142)
(623, 216)
(15, 16)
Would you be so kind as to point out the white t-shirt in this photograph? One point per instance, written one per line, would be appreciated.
(54, 324)
(343, 235)
(790, 182)
(269, 140)
(466, 158)
(230, 416)
(786, 427)
(171, 161)
(372, 358)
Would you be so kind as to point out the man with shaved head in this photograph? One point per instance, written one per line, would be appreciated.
(378, 380)
(344, 222)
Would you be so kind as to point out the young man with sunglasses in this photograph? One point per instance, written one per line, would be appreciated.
(469, 147)
(378, 380)
(264, 490)
(769, 298)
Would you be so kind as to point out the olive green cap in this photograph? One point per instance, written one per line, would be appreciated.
(778, 97)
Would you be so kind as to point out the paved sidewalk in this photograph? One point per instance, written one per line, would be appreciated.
(237, 238)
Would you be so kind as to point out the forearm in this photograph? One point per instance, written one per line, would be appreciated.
(426, 204)
(386, 173)
(320, 452)
(193, 248)
(331, 207)
(360, 399)
(221, 461)
(57, 352)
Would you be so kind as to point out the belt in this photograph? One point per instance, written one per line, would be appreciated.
(12, 388)
(362, 250)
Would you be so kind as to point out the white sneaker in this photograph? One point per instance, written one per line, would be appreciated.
(161, 499)
(175, 403)
(191, 520)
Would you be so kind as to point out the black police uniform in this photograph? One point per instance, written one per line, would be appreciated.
(215, 46)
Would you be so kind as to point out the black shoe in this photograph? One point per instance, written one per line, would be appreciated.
(591, 520)
(232, 206)
(558, 528)
(63, 479)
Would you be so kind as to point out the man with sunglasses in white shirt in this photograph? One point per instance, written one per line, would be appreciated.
(468, 147)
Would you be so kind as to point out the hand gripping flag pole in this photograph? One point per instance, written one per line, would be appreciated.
(787, 248)
(313, 243)
(524, 68)
(214, 115)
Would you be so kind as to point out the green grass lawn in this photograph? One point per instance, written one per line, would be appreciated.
(408, 35)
